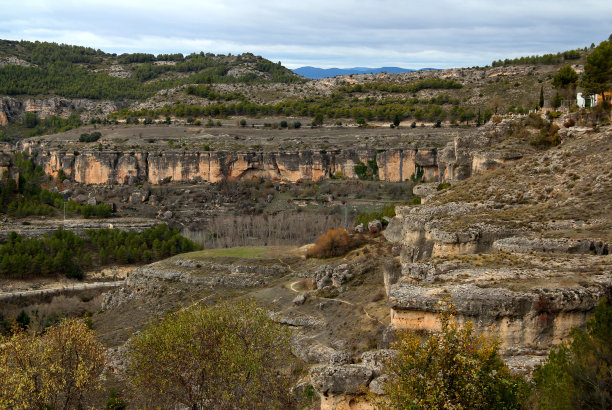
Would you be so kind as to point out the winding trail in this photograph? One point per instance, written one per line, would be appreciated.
(291, 286)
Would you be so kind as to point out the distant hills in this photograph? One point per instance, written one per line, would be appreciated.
(315, 73)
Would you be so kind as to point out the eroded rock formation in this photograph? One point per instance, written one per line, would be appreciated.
(120, 167)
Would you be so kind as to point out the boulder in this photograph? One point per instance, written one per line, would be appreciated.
(375, 359)
(374, 226)
(377, 385)
(299, 299)
(335, 380)
(359, 228)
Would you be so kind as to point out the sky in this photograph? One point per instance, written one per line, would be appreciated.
(320, 33)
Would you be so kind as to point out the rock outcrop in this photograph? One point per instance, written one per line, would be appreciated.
(13, 109)
(520, 256)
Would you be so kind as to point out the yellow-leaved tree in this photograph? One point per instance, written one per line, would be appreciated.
(454, 368)
(56, 369)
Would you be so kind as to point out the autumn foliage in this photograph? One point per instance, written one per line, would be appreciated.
(453, 368)
(58, 369)
(335, 242)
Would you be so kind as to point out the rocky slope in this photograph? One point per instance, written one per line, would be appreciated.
(524, 250)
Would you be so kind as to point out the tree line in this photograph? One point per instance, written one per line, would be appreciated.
(65, 253)
(430, 83)
(557, 58)
(334, 107)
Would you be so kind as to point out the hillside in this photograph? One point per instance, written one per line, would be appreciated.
(51, 80)
(32, 69)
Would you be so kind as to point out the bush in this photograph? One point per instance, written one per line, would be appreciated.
(452, 368)
(569, 123)
(577, 375)
(93, 137)
(336, 242)
(388, 211)
(227, 356)
(549, 137)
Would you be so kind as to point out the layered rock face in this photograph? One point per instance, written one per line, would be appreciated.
(522, 251)
(117, 167)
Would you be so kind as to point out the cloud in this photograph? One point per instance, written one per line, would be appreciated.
(439, 33)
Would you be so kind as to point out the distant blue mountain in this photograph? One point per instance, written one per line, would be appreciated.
(315, 73)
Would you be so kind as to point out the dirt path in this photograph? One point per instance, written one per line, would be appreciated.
(292, 284)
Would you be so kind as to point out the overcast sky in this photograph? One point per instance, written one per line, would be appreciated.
(322, 33)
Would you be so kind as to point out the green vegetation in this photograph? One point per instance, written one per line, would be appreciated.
(558, 58)
(338, 105)
(26, 197)
(227, 356)
(50, 125)
(64, 253)
(565, 77)
(247, 252)
(430, 83)
(67, 71)
(576, 374)
(598, 69)
(57, 369)
(417, 176)
(452, 368)
(93, 137)
(388, 211)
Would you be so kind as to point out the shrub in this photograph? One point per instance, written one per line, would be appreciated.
(227, 356)
(388, 211)
(452, 368)
(549, 137)
(569, 123)
(93, 137)
(335, 242)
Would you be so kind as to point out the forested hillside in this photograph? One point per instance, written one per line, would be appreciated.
(82, 72)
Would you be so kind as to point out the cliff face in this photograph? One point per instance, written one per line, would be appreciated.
(523, 250)
(13, 109)
(116, 167)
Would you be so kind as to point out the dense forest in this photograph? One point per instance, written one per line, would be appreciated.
(64, 253)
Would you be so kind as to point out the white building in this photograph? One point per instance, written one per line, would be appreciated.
(588, 101)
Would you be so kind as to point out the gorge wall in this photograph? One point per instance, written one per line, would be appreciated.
(117, 167)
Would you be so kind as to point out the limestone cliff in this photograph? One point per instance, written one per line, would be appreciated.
(119, 167)
(524, 250)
